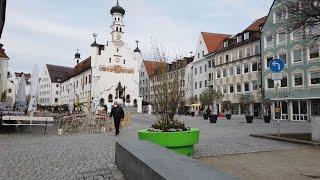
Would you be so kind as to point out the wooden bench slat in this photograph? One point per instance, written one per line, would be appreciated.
(27, 118)
(5, 124)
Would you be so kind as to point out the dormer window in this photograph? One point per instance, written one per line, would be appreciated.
(225, 44)
(239, 38)
(246, 36)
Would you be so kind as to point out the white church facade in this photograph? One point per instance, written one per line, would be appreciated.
(110, 74)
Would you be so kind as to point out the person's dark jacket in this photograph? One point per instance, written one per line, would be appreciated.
(117, 113)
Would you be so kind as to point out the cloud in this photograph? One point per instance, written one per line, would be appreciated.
(47, 27)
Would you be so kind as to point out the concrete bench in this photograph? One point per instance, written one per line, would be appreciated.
(27, 121)
(145, 161)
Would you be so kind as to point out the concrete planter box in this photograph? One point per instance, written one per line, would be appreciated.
(181, 142)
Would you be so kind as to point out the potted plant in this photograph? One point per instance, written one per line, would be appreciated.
(217, 98)
(168, 131)
(226, 107)
(266, 103)
(206, 100)
(245, 101)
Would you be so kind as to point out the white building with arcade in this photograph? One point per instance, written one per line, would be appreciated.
(110, 74)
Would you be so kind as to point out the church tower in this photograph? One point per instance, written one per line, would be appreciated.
(117, 27)
(77, 58)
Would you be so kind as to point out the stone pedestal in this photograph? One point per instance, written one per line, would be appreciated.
(315, 128)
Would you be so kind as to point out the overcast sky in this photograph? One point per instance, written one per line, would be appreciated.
(49, 31)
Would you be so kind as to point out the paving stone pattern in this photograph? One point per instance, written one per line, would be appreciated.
(31, 155)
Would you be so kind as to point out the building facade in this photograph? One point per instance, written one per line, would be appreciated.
(176, 72)
(50, 83)
(4, 59)
(110, 74)
(236, 69)
(207, 43)
(298, 93)
(147, 69)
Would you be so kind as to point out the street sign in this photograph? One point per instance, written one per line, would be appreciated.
(277, 76)
(276, 65)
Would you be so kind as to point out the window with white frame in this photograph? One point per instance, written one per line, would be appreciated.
(298, 80)
(268, 60)
(314, 52)
(234, 55)
(231, 88)
(283, 56)
(224, 72)
(282, 37)
(254, 85)
(238, 69)
(280, 16)
(246, 87)
(313, 30)
(248, 52)
(315, 78)
(218, 74)
(269, 41)
(246, 35)
(239, 38)
(200, 69)
(284, 81)
(297, 55)
(270, 83)
(225, 44)
(195, 85)
(240, 53)
(200, 84)
(231, 71)
(255, 66)
(239, 89)
(245, 68)
(205, 83)
(224, 88)
(297, 34)
(227, 58)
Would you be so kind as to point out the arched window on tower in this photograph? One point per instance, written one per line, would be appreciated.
(128, 100)
(118, 19)
(120, 29)
(101, 102)
(135, 103)
(117, 29)
(110, 98)
(124, 61)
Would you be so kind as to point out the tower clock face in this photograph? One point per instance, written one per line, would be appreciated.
(117, 60)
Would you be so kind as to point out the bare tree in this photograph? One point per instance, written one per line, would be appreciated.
(303, 16)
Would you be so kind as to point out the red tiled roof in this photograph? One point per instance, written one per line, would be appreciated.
(255, 26)
(80, 68)
(58, 73)
(3, 52)
(151, 66)
(213, 40)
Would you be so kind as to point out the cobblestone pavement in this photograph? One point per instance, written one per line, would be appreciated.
(232, 136)
(37, 156)
(32, 155)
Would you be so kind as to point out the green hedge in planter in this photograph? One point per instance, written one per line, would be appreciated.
(181, 142)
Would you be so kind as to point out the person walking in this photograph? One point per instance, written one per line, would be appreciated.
(118, 114)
